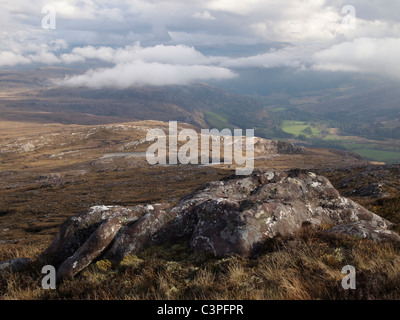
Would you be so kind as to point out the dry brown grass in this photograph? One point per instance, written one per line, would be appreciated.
(305, 266)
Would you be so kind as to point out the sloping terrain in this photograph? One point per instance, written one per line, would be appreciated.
(52, 172)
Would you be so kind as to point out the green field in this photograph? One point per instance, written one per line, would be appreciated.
(297, 128)
(379, 155)
(278, 109)
(331, 137)
(371, 151)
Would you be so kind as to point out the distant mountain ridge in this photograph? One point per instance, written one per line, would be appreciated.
(199, 103)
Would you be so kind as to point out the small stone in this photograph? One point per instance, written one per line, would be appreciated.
(14, 264)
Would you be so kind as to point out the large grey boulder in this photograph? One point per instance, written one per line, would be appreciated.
(232, 216)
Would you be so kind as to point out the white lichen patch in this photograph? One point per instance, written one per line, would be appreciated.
(315, 184)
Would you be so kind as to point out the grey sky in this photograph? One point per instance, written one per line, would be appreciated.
(167, 38)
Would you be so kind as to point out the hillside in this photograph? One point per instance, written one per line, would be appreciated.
(33, 98)
(53, 172)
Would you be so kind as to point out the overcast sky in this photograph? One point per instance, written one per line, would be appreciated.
(169, 42)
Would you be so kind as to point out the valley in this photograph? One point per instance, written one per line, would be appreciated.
(329, 118)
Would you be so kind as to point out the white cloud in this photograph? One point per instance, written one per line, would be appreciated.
(205, 15)
(86, 9)
(44, 57)
(69, 58)
(136, 66)
(140, 73)
(90, 52)
(172, 54)
(236, 7)
(8, 58)
(367, 55)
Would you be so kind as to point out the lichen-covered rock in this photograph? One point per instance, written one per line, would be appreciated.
(364, 230)
(134, 238)
(98, 241)
(231, 216)
(83, 238)
(242, 213)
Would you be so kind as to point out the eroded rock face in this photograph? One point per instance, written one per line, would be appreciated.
(232, 216)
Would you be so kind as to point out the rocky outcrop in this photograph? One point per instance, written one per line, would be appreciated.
(231, 216)
(275, 147)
